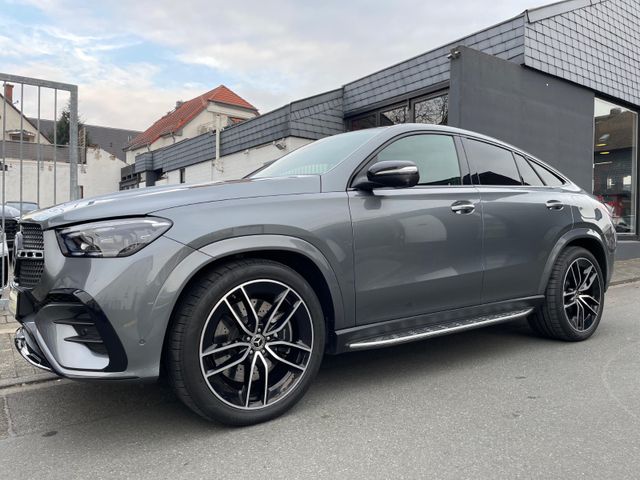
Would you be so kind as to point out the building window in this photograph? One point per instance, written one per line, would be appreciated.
(615, 162)
(368, 121)
(182, 175)
(394, 116)
(16, 136)
(433, 109)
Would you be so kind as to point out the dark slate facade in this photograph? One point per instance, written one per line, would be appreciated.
(595, 44)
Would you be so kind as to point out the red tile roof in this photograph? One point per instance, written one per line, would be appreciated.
(173, 121)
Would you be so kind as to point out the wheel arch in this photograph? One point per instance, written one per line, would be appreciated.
(295, 253)
(586, 238)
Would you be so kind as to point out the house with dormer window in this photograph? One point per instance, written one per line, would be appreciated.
(211, 111)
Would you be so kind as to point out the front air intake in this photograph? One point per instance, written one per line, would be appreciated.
(29, 266)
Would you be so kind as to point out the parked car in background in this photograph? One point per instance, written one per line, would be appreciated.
(22, 207)
(362, 240)
(9, 217)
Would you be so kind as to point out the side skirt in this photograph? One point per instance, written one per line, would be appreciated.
(411, 329)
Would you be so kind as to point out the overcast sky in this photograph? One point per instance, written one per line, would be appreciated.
(133, 59)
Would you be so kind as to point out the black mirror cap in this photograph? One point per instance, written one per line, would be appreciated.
(390, 173)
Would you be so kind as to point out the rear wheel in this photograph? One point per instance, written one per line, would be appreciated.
(246, 342)
(574, 298)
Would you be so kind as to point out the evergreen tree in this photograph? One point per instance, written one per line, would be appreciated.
(62, 128)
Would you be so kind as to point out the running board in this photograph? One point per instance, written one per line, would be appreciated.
(437, 330)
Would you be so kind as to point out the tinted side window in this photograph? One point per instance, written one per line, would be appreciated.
(549, 178)
(528, 174)
(495, 165)
(435, 156)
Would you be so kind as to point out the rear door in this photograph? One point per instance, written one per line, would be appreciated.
(418, 250)
(523, 216)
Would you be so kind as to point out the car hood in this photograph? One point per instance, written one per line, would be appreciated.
(143, 201)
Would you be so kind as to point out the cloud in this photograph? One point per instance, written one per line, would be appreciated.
(269, 52)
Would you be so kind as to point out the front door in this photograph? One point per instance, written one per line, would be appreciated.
(417, 250)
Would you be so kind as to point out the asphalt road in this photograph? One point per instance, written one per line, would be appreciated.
(494, 403)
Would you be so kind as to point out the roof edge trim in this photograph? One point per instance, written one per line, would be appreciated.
(558, 8)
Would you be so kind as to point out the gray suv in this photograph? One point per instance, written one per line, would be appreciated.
(234, 291)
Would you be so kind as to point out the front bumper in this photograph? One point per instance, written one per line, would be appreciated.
(99, 319)
(67, 333)
(29, 350)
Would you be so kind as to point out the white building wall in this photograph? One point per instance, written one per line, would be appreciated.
(173, 177)
(29, 183)
(198, 173)
(100, 175)
(237, 165)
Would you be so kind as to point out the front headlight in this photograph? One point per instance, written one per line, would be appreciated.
(112, 238)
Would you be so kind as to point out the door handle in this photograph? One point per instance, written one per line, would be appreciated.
(555, 205)
(463, 207)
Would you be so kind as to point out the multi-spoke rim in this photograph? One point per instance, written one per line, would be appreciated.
(582, 294)
(256, 344)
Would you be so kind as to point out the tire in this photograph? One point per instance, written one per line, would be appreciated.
(242, 362)
(569, 313)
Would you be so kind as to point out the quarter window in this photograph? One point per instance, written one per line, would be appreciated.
(550, 179)
(528, 174)
(435, 156)
(495, 165)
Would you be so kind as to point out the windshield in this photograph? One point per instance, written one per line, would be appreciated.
(318, 157)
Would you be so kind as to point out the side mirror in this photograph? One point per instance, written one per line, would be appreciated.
(390, 173)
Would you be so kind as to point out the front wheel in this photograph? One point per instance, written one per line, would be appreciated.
(247, 339)
(574, 298)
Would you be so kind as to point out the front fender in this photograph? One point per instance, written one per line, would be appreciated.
(254, 243)
(198, 259)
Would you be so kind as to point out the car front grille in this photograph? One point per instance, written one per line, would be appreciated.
(10, 228)
(32, 238)
(28, 271)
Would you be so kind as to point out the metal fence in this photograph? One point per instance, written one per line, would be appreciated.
(33, 163)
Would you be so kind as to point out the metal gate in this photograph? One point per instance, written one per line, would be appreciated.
(35, 166)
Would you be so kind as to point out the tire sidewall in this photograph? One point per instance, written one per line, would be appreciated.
(558, 294)
(194, 381)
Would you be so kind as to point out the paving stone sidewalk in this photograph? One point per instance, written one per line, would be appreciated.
(15, 370)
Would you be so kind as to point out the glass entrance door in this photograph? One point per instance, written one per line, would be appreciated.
(615, 162)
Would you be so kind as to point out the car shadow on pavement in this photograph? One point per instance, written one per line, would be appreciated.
(137, 412)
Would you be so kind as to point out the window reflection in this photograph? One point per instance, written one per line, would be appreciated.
(394, 116)
(615, 162)
(435, 156)
(432, 110)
